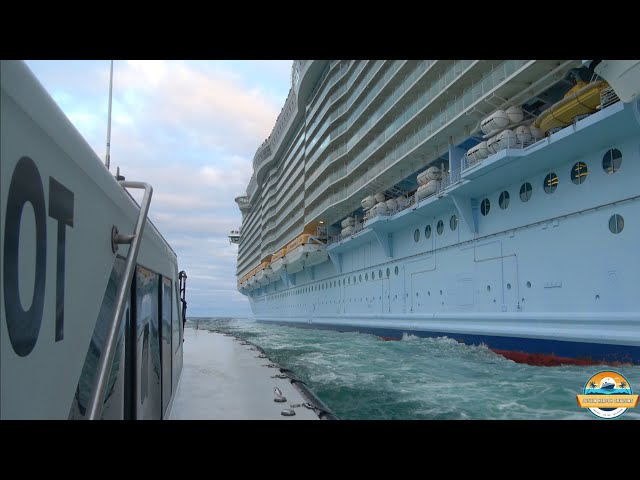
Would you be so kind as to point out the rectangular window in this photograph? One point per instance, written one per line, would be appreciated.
(166, 334)
(147, 346)
(176, 327)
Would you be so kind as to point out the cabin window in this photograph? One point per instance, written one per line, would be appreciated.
(416, 235)
(504, 200)
(379, 273)
(616, 223)
(453, 222)
(366, 277)
(612, 160)
(396, 270)
(485, 206)
(550, 183)
(427, 232)
(579, 173)
(360, 278)
(525, 192)
(440, 227)
(388, 272)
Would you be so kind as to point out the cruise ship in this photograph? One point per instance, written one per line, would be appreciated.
(492, 202)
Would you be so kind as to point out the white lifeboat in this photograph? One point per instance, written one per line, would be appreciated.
(496, 121)
(347, 222)
(492, 145)
(506, 139)
(431, 173)
(368, 202)
(380, 197)
(515, 114)
(523, 134)
(379, 209)
(427, 189)
(536, 132)
(305, 255)
(346, 231)
(392, 204)
(479, 152)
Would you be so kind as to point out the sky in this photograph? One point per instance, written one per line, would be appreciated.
(190, 129)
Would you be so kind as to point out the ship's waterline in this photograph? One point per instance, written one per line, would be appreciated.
(360, 376)
(500, 216)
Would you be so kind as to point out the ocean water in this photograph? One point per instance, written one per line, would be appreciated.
(361, 376)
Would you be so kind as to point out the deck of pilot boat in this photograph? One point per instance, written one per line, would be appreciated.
(225, 378)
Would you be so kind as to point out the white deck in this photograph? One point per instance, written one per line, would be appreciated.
(224, 380)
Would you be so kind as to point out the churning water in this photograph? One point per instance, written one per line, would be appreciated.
(361, 376)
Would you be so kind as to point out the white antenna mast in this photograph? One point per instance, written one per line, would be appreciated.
(108, 157)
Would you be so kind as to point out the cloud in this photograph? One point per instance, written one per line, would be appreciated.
(190, 129)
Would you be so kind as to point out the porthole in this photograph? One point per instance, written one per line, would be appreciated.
(354, 279)
(349, 280)
(508, 286)
(579, 173)
(485, 206)
(528, 284)
(427, 231)
(396, 270)
(488, 288)
(379, 273)
(366, 277)
(525, 192)
(550, 183)
(359, 278)
(388, 272)
(504, 200)
(416, 235)
(373, 275)
(612, 160)
(440, 227)
(453, 222)
(616, 223)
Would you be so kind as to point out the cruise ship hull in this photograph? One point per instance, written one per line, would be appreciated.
(534, 280)
(530, 250)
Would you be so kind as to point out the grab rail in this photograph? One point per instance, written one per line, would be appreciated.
(106, 358)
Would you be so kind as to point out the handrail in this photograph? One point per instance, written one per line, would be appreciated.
(106, 358)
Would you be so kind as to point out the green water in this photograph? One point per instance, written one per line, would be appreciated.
(360, 376)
